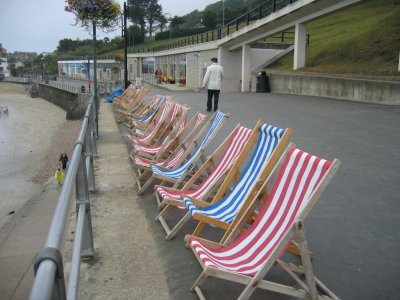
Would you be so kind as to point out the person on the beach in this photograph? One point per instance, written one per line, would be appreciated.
(63, 161)
(59, 176)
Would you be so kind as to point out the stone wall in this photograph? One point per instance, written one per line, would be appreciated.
(74, 104)
(368, 89)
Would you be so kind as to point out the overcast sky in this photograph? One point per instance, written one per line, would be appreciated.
(38, 25)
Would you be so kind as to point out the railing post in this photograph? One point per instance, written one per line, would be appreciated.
(82, 198)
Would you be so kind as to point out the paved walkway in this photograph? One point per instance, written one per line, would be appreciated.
(352, 230)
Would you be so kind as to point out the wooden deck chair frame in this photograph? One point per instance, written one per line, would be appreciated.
(125, 97)
(233, 176)
(141, 127)
(133, 106)
(133, 120)
(188, 152)
(169, 128)
(309, 285)
(206, 168)
(156, 124)
(171, 141)
(180, 142)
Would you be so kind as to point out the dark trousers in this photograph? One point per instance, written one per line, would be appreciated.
(212, 93)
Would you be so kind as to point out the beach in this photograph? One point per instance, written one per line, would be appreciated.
(32, 137)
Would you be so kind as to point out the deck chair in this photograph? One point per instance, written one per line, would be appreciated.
(170, 143)
(157, 124)
(133, 104)
(168, 156)
(248, 255)
(222, 211)
(216, 167)
(141, 120)
(191, 155)
(126, 96)
(170, 128)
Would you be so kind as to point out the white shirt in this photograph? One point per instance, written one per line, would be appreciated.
(213, 77)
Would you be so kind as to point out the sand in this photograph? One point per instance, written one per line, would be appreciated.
(32, 137)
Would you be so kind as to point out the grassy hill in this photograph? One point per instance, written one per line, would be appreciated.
(363, 39)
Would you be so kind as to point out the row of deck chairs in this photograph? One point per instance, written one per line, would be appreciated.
(257, 188)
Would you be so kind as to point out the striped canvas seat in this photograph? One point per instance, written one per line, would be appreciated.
(177, 123)
(166, 109)
(299, 183)
(144, 115)
(227, 208)
(152, 112)
(219, 163)
(236, 143)
(142, 162)
(178, 172)
(189, 157)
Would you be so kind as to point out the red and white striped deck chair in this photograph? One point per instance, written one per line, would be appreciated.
(171, 142)
(171, 127)
(159, 120)
(246, 256)
(216, 167)
(171, 154)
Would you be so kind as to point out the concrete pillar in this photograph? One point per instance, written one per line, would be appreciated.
(231, 62)
(246, 65)
(300, 41)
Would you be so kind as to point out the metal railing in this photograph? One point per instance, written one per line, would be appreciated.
(49, 280)
(263, 10)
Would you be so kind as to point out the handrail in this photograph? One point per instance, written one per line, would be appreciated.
(263, 10)
(49, 280)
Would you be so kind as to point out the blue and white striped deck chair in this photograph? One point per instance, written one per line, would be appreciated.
(191, 155)
(145, 120)
(222, 210)
(153, 111)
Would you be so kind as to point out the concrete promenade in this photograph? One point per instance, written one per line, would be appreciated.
(352, 230)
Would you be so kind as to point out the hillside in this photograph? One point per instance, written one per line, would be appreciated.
(363, 39)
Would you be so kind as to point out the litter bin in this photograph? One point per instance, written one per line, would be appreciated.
(262, 85)
(83, 89)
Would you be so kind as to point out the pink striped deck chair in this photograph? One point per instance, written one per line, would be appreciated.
(177, 134)
(159, 120)
(186, 165)
(216, 167)
(170, 155)
(247, 255)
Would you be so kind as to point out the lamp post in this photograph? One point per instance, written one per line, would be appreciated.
(125, 48)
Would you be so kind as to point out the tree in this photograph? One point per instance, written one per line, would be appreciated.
(209, 19)
(137, 14)
(153, 14)
(66, 45)
(163, 22)
(176, 21)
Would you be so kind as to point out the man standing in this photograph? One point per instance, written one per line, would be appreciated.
(212, 80)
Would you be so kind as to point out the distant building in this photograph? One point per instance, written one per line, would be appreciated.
(4, 68)
(108, 70)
